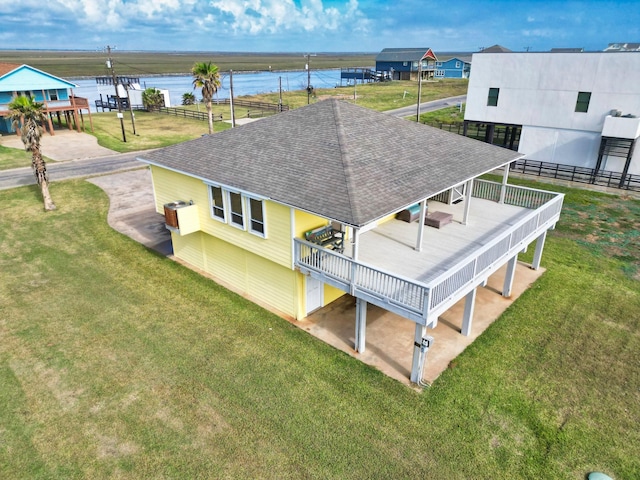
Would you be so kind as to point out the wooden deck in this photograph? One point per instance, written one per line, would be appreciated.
(453, 261)
(391, 246)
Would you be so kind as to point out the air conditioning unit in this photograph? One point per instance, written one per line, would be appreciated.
(171, 214)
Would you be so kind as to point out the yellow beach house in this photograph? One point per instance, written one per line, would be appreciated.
(298, 209)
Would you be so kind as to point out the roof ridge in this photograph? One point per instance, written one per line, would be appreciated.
(346, 160)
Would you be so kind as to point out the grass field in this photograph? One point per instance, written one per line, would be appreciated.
(65, 63)
(119, 363)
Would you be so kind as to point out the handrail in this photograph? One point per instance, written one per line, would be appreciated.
(422, 298)
(402, 291)
(468, 270)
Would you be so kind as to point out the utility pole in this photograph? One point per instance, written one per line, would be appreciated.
(419, 89)
(115, 85)
(308, 79)
(280, 90)
(233, 113)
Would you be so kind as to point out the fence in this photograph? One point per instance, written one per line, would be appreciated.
(502, 135)
(572, 173)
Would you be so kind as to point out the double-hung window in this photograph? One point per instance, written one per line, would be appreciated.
(217, 203)
(236, 210)
(256, 215)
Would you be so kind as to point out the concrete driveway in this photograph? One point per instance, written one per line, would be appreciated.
(64, 145)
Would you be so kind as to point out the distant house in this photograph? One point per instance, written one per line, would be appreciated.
(453, 65)
(129, 91)
(623, 47)
(404, 63)
(299, 209)
(572, 109)
(55, 93)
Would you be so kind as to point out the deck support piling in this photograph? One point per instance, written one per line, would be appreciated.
(537, 254)
(509, 276)
(467, 318)
(361, 324)
(417, 366)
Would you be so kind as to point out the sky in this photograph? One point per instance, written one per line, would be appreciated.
(316, 25)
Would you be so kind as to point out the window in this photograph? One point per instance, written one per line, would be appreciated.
(492, 100)
(404, 64)
(439, 73)
(217, 203)
(457, 64)
(256, 214)
(237, 212)
(582, 104)
(438, 64)
(53, 95)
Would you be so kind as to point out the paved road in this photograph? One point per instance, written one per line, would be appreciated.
(428, 106)
(72, 169)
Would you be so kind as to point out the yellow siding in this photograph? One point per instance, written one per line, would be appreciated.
(188, 219)
(257, 267)
(272, 284)
(305, 221)
(331, 294)
(170, 186)
(189, 249)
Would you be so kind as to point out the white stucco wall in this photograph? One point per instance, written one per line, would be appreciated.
(539, 91)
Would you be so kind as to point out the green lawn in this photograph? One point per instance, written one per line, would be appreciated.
(118, 363)
(15, 158)
(153, 130)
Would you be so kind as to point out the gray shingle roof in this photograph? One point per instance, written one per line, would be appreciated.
(401, 54)
(335, 159)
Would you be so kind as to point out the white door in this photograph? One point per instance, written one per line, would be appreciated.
(315, 290)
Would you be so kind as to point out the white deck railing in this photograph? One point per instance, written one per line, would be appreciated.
(417, 300)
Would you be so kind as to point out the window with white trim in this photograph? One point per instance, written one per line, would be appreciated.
(236, 210)
(256, 216)
(217, 203)
(458, 64)
(439, 73)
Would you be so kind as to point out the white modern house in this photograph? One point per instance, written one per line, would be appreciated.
(572, 109)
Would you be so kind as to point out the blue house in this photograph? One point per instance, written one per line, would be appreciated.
(404, 63)
(54, 93)
(453, 65)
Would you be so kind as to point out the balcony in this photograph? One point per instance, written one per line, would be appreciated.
(421, 285)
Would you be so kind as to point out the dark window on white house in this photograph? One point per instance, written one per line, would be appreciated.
(217, 203)
(492, 100)
(53, 95)
(582, 104)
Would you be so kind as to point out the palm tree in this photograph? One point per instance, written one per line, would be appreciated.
(206, 76)
(188, 98)
(27, 116)
(152, 99)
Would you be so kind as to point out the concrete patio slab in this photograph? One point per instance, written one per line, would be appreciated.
(389, 337)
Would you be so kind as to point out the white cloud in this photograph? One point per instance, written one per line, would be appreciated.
(271, 16)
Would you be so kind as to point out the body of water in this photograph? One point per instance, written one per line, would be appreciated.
(243, 84)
